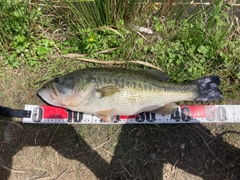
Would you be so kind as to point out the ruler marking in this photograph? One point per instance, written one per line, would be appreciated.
(184, 114)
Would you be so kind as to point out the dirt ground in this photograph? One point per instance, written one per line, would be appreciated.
(86, 152)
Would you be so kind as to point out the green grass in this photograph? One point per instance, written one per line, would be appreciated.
(22, 40)
(186, 45)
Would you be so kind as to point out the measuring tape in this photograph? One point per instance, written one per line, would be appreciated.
(183, 114)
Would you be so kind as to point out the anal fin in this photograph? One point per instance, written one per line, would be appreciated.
(167, 109)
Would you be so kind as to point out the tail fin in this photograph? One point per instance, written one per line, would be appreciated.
(208, 89)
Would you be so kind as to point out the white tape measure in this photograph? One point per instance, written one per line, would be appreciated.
(184, 114)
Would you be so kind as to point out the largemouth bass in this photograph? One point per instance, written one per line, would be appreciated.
(105, 92)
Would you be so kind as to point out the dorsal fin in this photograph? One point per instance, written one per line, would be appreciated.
(160, 75)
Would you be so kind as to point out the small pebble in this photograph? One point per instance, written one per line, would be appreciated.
(182, 146)
(6, 134)
(153, 156)
(135, 143)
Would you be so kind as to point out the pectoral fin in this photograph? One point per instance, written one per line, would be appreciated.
(167, 109)
(106, 91)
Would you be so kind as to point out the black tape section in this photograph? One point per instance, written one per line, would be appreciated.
(5, 111)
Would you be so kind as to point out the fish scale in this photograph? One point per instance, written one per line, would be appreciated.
(123, 83)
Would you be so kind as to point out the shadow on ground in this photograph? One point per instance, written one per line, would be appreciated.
(141, 151)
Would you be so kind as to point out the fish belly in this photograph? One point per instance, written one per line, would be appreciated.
(127, 103)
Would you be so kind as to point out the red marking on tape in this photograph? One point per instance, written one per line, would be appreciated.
(201, 111)
(51, 112)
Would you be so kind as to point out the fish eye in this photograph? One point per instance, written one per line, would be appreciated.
(57, 80)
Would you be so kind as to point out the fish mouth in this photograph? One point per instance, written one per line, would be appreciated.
(46, 95)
